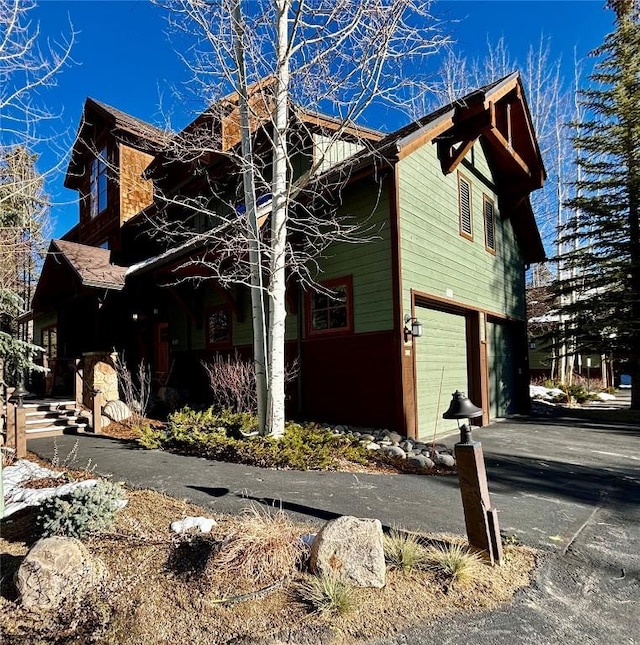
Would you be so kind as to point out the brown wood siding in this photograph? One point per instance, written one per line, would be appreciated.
(136, 193)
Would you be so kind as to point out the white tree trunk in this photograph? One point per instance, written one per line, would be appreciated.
(255, 259)
(277, 309)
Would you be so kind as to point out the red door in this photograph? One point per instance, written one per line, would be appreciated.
(161, 348)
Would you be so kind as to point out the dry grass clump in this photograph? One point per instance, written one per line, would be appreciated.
(403, 551)
(208, 590)
(456, 562)
(261, 546)
(326, 594)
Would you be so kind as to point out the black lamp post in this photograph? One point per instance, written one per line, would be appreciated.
(19, 420)
(481, 519)
(19, 393)
(462, 408)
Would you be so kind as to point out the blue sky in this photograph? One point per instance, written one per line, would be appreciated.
(123, 56)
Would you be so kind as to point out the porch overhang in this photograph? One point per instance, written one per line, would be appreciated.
(71, 270)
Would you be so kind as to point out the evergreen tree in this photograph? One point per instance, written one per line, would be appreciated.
(24, 210)
(599, 289)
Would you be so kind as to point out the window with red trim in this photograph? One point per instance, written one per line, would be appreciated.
(218, 327)
(331, 311)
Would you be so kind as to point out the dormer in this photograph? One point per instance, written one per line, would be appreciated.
(111, 151)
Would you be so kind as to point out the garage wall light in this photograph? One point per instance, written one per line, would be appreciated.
(412, 328)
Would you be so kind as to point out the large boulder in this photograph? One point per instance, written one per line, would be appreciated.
(57, 570)
(350, 548)
(116, 411)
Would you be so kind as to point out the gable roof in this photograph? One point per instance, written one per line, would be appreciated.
(91, 264)
(130, 124)
(481, 115)
(90, 267)
(134, 131)
(443, 116)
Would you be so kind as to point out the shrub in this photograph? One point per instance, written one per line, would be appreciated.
(150, 438)
(402, 551)
(85, 510)
(326, 594)
(193, 426)
(135, 387)
(261, 547)
(223, 436)
(232, 382)
(577, 392)
(455, 561)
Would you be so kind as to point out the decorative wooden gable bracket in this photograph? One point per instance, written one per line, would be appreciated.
(450, 157)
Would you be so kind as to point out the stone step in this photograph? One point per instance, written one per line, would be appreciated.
(56, 421)
(46, 405)
(53, 431)
(50, 414)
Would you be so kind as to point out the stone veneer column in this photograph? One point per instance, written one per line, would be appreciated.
(100, 374)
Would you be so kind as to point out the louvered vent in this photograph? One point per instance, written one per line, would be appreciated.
(489, 225)
(465, 206)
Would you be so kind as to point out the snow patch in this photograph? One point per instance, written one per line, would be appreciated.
(544, 393)
(202, 524)
(16, 497)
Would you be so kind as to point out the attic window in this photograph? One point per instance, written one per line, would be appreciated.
(464, 205)
(98, 188)
(489, 224)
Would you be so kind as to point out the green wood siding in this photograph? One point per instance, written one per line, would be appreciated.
(443, 345)
(436, 259)
(241, 332)
(42, 322)
(368, 262)
(329, 151)
(500, 361)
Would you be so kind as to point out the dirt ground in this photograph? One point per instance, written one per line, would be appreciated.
(162, 588)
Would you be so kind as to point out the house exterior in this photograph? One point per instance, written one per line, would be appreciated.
(448, 198)
(548, 361)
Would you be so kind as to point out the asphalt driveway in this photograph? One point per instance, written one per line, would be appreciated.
(568, 486)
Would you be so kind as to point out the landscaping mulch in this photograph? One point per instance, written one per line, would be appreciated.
(377, 465)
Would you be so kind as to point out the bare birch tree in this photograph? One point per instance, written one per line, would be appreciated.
(266, 69)
(549, 97)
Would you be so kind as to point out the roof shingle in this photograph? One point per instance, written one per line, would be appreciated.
(92, 265)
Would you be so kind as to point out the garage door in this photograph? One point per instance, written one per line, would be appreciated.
(501, 368)
(443, 346)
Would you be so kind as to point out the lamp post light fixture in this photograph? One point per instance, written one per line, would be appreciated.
(19, 393)
(412, 327)
(19, 421)
(481, 519)
(462, 408)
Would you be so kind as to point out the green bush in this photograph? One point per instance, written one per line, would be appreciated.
(150, 438)
(194, 426)
(85, 510)
(576, 391)
(222, 436)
